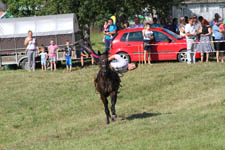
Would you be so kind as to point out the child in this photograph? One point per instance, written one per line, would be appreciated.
(106, 29)
(52, 49)
(68, 52)
(43, 55)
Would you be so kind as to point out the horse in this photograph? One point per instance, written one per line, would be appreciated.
(107, 83)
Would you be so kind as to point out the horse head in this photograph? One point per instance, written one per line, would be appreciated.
(104, 62)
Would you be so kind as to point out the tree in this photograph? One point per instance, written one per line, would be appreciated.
(92, 12)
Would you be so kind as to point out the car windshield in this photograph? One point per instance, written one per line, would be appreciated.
(172, 33)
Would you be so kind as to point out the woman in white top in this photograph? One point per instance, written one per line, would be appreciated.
(31, 44)
(182, 27)
(147, 39)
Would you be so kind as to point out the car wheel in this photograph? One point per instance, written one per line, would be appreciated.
(182, 56)
(125, 56)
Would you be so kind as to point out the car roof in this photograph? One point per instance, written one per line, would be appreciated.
(138, 29)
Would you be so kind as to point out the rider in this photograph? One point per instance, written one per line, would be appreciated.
(117, 63)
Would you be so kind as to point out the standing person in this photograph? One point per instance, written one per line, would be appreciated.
(155, 24)
(218, 37)
(190, 38)
(105, 29)
(126, 25)
(137, 23)
(109, 35)
(222, 31)
(68, 53)
(205, 45)
(197, 26)
(148, 37)
(44, 57)
(31, 44)
(52, 49)
(182, 27)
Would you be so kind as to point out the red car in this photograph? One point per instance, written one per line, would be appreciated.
(166, 45)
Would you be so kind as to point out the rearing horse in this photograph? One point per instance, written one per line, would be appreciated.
(107, 83)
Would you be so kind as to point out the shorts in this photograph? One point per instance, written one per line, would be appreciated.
(43, 62)
(68, 60)
(219, 46)
(53, 59)
(146, 46)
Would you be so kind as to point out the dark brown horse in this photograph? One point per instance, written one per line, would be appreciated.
(107, 83)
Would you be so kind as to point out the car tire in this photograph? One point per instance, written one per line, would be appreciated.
(24, 64)
(125, 56)
(182, 56)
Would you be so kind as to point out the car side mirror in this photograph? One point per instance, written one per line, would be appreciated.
(169, 40)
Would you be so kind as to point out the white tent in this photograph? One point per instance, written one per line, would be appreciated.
(39, 25)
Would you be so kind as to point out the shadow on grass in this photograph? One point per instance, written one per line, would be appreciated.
(143, 115)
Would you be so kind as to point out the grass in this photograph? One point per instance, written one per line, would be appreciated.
(168, 106)
(165, 106)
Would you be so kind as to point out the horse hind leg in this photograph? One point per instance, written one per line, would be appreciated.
(105, 102)
(113, 103)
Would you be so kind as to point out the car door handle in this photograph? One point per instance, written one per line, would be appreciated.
(128, 45)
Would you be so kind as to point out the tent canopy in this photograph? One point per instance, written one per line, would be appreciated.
(39, 25)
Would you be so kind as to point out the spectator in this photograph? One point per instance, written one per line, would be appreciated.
(126, 25)
(68, 53)
(190, 37)
(86, 31)
(44, 57)
(155, 24)
(204, 45)
(137, 23)
(148, 37)
(197, 24)
(109, 35)
(218, 37)
(182, 27)
(52, 49)
(31, 44)
(200, 18)
(171, 25)
(222, 30)
(106, 29)
(85, 53)
(217, 17)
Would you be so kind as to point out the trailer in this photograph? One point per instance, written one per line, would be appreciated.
(60, 28)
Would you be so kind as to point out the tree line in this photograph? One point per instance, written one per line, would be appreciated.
(92, 12)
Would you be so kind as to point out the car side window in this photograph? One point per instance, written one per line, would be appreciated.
(124, 37)
(160, 37)
(135, 36)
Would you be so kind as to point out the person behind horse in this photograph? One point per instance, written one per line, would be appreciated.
(120, 65)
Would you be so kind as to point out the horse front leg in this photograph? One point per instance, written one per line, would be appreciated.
(107, 113)
(113, 96)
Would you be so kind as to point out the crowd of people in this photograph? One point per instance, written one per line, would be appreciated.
(201, 35)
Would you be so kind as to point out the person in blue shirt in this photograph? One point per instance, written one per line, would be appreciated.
(137, 23)
(218, 37)
(155, 24)
(109, 35)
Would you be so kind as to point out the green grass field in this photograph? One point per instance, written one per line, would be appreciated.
(164, 106)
